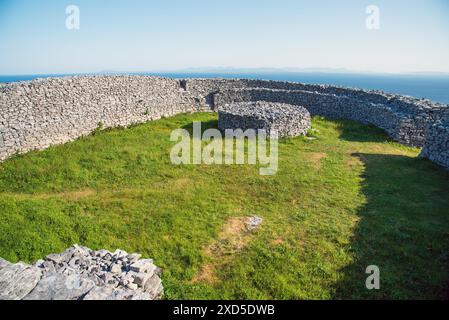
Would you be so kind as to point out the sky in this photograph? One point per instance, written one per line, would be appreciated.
(169, 35)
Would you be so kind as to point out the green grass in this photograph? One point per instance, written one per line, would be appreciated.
(349, 199)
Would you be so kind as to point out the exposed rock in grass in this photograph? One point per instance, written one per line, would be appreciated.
(81, 273)
(253, 223)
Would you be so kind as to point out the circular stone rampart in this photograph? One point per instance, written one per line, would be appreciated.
(287, 120)
(44, 112)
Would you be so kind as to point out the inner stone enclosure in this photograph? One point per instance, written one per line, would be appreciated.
(285, 119)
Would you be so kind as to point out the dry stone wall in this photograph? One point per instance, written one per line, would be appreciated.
(40, 113)
(44, 112)
(407, 128)
(287, 120)
(436, 147)
(405, 119)
(204, 87)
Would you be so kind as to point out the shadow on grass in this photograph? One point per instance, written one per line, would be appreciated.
(349, 130)
(358, 132)
(212, 124)
(403, 229)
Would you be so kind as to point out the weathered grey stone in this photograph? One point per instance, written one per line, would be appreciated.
(116, 268)
(100, 293)
(103, 293)
(79, 251)
(67, 270)
(4, 263)
(101, 253)
(132, 295)
(119, 254)
(107, 257)
(109, 279)
(154, 287)
(133, 257)
(253, 223)
(143, 265)
(56, 258)
(141, 277)
(60, 287)
(48, 266)
(39, 263)
(17, 280)
(132, 286)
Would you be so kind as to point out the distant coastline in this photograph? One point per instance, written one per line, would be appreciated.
(434, 87)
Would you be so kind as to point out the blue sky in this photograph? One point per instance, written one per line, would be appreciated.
(138, 35)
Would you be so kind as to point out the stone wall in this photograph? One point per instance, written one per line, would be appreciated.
(39, 113)
(43, 112)
(204, 87)
(287, 120)
(407, 128)
(436, 147)
(405, 119)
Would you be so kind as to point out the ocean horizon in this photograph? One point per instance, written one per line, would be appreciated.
(432, 87)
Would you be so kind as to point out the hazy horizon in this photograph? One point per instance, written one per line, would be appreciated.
(247, 70)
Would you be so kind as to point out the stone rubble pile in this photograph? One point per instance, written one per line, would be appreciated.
(287, 120)
(80, 273)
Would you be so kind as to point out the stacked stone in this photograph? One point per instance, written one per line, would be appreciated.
(39, 113)
(80, 273)
(203, 87)
(403, 123)
(436, 148)
(285, 119)
(44, 112)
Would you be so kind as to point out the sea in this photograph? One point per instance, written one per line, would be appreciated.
(434, 87)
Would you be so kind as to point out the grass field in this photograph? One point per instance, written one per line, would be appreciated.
(348, 199)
